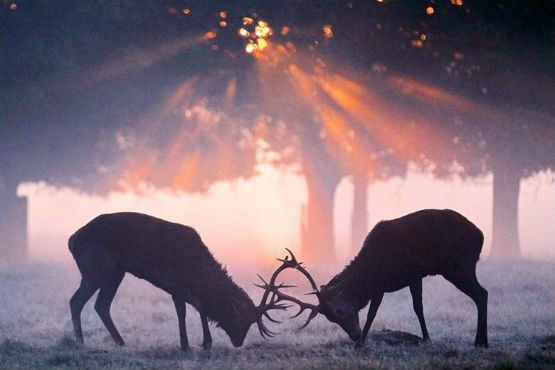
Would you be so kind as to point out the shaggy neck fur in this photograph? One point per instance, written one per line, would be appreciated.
(223, 301)
(354, 281)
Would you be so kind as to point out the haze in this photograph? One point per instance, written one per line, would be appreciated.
(253, 220)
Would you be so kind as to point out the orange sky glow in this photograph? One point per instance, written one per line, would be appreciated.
(254, 220)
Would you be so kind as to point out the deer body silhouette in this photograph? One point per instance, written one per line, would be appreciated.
(396, 254)
(172, 257)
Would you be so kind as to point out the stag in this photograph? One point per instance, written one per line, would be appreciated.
(173, 258)
(396, 254)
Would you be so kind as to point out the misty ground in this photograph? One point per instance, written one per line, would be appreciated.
(36, 330)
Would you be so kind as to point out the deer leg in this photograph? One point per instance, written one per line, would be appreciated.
(104, 301)
(181, 310)
(207, 338)
(374, 304)
(416, 292)
(468, 284)
(77, 302)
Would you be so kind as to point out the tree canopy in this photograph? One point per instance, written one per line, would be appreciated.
(108, 94)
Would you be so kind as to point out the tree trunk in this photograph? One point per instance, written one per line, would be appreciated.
(359, 217)
(506, 187)
(317, 237)
(13, 223)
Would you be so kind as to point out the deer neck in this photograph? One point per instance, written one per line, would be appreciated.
(227, 303)
(357, 280)
(347, 285)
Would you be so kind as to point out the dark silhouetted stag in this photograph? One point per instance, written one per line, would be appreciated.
(173, 258)
(396, 254)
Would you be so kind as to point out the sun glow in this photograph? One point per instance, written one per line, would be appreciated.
(140, 60)
(358, 123)
(257, 36)
(362, 124)
(243, 32)
(328, 31)
(210, 34)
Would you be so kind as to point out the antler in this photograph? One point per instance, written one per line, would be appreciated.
(278, 296)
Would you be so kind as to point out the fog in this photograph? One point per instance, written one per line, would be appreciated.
(254, 220)
(265, 125)
(36, 330)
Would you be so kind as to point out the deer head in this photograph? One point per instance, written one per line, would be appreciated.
(337, 306)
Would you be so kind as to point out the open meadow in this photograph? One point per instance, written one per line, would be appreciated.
(36, 330)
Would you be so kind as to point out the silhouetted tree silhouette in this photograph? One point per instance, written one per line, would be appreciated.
(162, 92)
(496, 56)
(72, 99)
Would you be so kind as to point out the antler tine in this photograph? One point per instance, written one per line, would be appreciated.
(301, 310)
(312, 315)
(262, 286)
(293, 259)
(285, 286)
(277, 296)
(261, 278)
(278, 306)
(261, 331)
(286, 263)
(286, 297)
(271, 318)
(302, 269)
(309, 277)
(264, 331)
(280, 296)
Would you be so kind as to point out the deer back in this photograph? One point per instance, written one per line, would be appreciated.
(398, 251)
(169, 255)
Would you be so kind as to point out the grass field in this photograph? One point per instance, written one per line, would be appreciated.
(36, 330)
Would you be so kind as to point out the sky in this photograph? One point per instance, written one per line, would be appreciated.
(255, 219)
